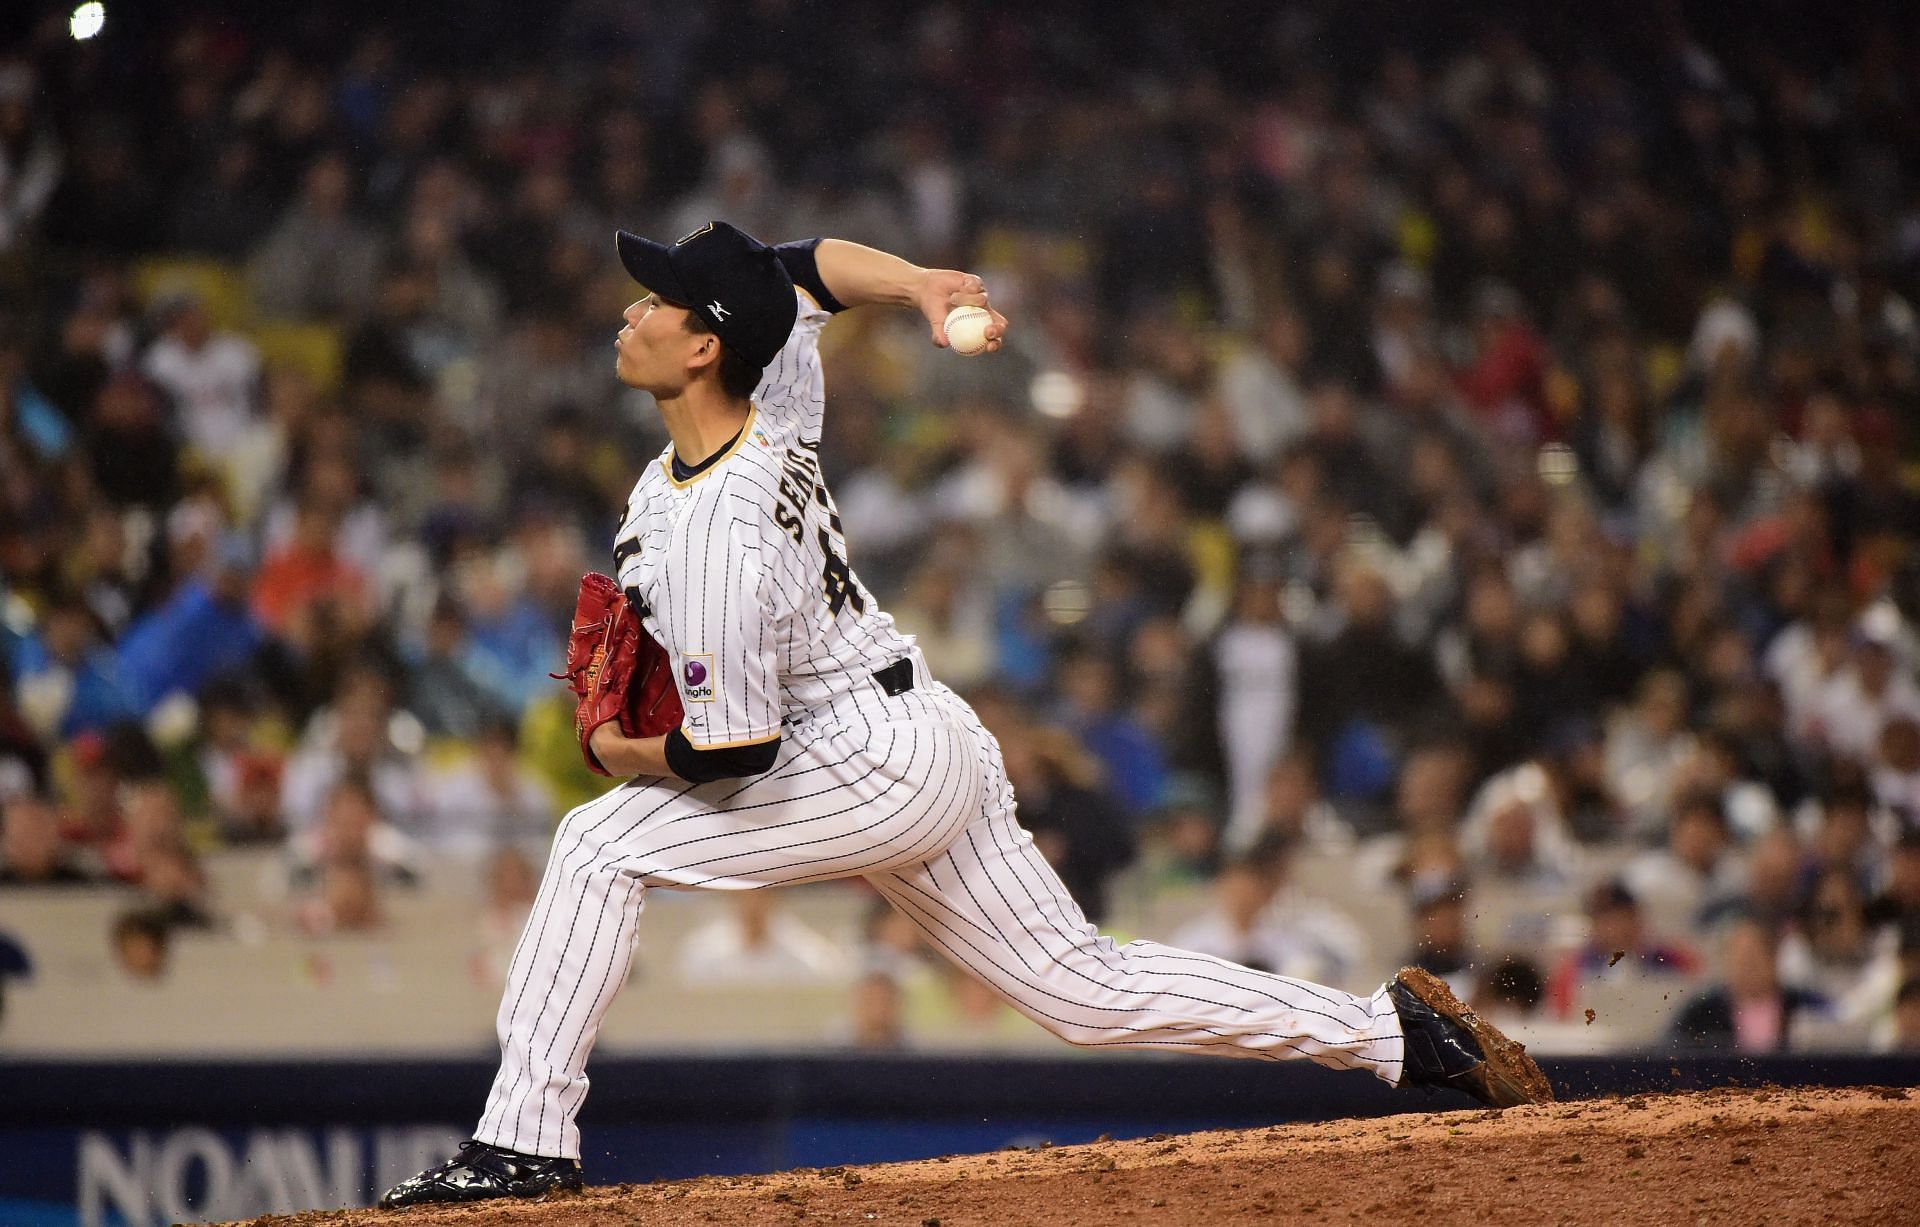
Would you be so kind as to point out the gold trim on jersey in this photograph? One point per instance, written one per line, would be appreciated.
(666, 461)
(728, 745)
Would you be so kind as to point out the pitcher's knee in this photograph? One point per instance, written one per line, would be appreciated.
(582, 838)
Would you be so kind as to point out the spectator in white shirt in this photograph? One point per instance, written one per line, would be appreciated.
(1873, 689)
(1257, 922)
(212, 376)
(490, 801)
(756, 944)
(1696, 868)
(1258, 667)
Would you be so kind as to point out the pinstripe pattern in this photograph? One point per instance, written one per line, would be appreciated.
(743, 570)
(719, 576)
(909, 792)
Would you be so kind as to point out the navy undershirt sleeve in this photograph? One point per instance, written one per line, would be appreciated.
(697, 766)
(804, 267)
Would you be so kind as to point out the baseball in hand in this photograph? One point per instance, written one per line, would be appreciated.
(967, 330)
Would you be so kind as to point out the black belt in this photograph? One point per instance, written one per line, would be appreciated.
(896, 678)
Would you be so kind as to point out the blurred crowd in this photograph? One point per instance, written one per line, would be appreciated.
(1481, 453)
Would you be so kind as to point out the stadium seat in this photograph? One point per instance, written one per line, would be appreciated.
(221, 287)
(315, 350)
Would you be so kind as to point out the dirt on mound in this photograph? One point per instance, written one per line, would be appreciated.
(1736, 1155)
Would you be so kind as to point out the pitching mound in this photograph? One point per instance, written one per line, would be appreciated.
(1800, 1156)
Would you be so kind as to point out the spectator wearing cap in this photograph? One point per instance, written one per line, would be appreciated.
(1749, 1010)
(1618, 943)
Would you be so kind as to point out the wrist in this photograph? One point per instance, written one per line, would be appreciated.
(919, 284)
(608, 746)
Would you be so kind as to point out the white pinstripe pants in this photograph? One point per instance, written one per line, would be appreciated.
(908, 791)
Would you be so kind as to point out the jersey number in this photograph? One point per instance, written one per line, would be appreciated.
(837, 578)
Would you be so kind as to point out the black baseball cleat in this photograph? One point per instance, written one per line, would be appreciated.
(480, 1172)
(1448, 1045)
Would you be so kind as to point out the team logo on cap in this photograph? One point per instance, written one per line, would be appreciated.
(719, 312)
(698, 676)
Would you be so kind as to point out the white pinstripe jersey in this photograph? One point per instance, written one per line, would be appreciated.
(741, 572)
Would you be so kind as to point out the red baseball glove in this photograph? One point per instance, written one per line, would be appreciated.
(616, 669)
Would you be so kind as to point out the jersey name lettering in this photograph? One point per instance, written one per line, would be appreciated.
(800, 484)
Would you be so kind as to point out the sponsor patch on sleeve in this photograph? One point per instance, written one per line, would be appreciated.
(697, 677)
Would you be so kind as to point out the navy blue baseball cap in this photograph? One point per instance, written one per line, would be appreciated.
(728, 278)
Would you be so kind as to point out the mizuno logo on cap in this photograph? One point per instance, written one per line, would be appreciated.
(719, 312)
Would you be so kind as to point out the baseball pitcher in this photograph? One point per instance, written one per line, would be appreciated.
(777, 729)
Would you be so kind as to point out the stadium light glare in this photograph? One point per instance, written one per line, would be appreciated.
(87, 20)
(1056, 394)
